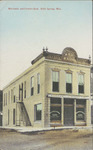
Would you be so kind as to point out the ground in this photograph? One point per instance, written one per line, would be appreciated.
(67, 139)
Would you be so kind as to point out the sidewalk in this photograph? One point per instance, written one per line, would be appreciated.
(34, 129)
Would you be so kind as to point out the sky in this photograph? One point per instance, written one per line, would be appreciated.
(28, 26)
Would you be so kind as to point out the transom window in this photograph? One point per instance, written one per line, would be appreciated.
(55, 81)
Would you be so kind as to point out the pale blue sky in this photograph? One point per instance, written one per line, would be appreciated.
(23, 33)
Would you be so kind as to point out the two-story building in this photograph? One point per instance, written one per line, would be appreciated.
(54, 91)
(1, 106)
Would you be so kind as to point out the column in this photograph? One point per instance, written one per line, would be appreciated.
(74, 111)
(62, 111)
(47, 113)
(88, 113)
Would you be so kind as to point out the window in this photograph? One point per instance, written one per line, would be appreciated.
(55, 110)
(11, 95)
(14, 98)
(55, 81)
(25, 89)
(4, 99)
(8, 116)
(80, 115)
(32, 86)
(80, 83)
(8, 97)
(80, 110)
(13, 116)
(38, 112)
(38, 83)
(68, 82)
(21, 92)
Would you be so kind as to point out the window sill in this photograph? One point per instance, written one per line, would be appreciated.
(38, 121)
(80, 123)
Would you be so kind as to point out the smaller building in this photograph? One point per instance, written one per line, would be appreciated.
(1, 106)
(91, 94)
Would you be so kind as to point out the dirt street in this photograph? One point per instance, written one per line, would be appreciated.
(48, 140)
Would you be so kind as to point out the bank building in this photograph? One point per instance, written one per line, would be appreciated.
(54, 91)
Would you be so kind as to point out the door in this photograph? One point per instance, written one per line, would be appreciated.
(69, 115)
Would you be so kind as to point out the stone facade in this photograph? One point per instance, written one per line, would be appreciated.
(54, 91)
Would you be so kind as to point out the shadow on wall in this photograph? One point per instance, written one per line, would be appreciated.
(0, 120)
(92, 114)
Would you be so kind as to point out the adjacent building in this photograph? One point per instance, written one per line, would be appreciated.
(1, 106)
(91, 80)
(54, 91)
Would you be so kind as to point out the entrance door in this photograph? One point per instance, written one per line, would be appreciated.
(68, 112)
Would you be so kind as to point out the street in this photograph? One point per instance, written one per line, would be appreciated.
(46, 140)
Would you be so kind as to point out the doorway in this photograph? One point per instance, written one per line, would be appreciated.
(68, 112)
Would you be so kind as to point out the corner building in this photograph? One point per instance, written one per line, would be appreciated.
(54, 91)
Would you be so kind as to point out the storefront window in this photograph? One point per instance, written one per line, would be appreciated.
(55, 113)
(80, 110)
(55, 109)
(80, 115)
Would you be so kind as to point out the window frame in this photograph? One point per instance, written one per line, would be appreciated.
(57, 88)
(35, 111)
(38, 83)
(32, 86)
(82, 84)
(24, 89)
(69, 83)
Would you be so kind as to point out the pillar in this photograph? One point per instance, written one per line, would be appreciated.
(62, 111)
(74, 111)
(88, 113)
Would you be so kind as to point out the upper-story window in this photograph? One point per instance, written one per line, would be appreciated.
(55, 81)
(69, 82)
(25, 89)
(32, 86)
(38, 83)
(21, 92)
(8, 97)
(4, 99)
(11, 95)
(81, 83)
(14, 97)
